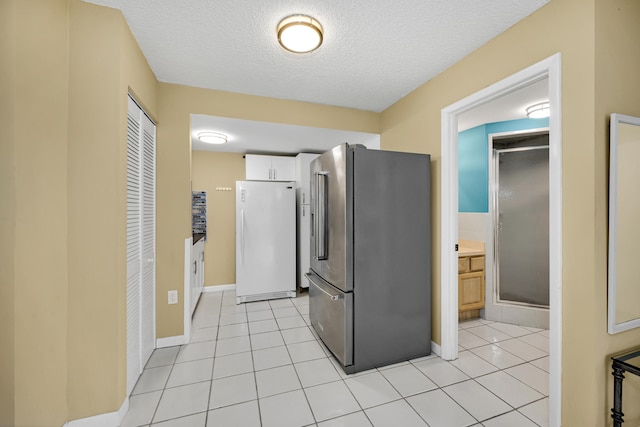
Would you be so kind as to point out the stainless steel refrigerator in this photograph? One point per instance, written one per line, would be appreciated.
(370, 276)
(265, 240)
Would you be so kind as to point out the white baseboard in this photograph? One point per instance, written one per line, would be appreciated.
(111, 419)
(170, 341)
(435, 348)
(218, 288)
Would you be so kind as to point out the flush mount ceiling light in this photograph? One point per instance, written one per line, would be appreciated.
(212, 137)
(300, 33)
(538, 111)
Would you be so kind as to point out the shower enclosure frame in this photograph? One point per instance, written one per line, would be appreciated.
(493, 297)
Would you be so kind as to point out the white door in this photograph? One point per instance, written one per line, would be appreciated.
(140, 242)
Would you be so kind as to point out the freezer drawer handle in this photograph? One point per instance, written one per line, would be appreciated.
(332, 297)
(320, 216)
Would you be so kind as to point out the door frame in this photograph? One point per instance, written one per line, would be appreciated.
(549, 68)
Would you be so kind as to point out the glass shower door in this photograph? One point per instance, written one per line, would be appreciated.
(522, 226)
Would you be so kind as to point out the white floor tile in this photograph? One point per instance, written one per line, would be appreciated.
(521, 349)
(232, 390)
(255, 316)
(277, 380)
(180, 401)
(510, 419)
(197, 420)
(285, 312)
(441, 372)
(468, 340)
(439, 410)
(532, 376)
(280, 303)
(232, 346)
(511, 330)
(408, 380)
(257, 306)
(542, 363)
(497, 356)
(208, 320)
(271, 358)
(286, 410)
(190, 372)
(295, 335)
(466, 324)
(152, 379)
(357, 419)
(539, 341)
(303, 309)
(163, 357)
(231, 331)
(315, 372)
(141, 409)
(195, 351)
(397, 413)
(538, 412)
(371, 389)
(234, 364)
(233, 309)
(242, 415)
(308, 350)
(509, 389)
(488, 333)
(473, 365)
(477, 400)
(291, 322)
(232, 319)
(204, 334)
(262, 326)
(331, 400)
(266, 340)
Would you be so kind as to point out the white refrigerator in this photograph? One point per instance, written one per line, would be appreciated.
(265, 240)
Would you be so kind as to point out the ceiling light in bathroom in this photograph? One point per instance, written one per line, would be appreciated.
(538, 111)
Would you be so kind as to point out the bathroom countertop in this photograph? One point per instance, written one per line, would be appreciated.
(470, 248)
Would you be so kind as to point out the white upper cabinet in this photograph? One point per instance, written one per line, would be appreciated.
(303, 177)
(270, 168)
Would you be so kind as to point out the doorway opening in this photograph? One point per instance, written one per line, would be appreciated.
(545, 69)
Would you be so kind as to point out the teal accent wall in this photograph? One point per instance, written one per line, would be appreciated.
(473, 161)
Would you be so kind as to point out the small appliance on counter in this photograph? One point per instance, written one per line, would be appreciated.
(265, 240)
(370, 276)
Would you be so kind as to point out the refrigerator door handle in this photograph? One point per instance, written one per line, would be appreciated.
(321, 215)
(242, 236)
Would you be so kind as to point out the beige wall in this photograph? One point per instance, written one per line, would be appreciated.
(617, 90)
(63, 294)
(175, 104)
(208, 171)
(8, 48)
(571, 27)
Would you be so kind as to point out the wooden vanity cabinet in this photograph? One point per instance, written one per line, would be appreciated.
(470, 286)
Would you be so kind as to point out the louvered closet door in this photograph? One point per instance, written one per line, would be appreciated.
(140, 241)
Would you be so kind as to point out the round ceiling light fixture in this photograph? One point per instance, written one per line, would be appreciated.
(212, 137)
(538, 111)
(300, 33)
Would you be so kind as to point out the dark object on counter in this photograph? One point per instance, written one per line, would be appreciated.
(198, 236)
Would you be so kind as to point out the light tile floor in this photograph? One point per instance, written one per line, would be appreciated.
(260, 364)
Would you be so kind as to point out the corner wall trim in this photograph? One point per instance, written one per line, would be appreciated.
(435, 349)
(218, 288)
(170, 341)
(110, 419)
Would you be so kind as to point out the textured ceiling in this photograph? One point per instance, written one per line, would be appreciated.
(374, 52)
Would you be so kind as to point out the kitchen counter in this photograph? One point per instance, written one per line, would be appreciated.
(197, 237)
